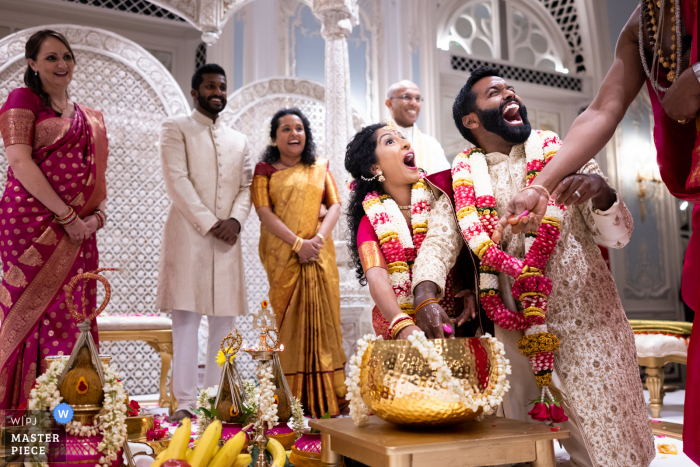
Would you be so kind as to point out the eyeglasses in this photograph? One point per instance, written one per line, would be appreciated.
(408, 98)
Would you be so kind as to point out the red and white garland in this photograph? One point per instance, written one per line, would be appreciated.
(398, 244)
(476, 213)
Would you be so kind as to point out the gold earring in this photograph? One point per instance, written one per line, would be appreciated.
(381, 177)
(36, 73)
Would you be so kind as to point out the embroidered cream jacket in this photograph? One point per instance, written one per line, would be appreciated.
(597, 360)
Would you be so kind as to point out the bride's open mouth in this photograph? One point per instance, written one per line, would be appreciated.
(409, 160)
(511, 114)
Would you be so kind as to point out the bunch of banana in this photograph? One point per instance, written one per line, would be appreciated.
(208, 453)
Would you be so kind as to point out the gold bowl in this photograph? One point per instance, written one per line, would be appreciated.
(137, 427)
(398, 385)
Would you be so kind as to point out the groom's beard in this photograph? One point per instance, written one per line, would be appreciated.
(493, 122)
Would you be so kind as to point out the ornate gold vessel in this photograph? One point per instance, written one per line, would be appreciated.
(398, 385)
(137, 427)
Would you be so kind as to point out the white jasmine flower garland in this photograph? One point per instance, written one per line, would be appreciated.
(111, 421)
(266, 399)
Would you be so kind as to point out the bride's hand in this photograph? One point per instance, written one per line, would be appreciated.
(407, 331)
(77, 231)
(532, 200)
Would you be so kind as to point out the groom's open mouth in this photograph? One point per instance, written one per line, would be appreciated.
(511, 114)
(409, 160)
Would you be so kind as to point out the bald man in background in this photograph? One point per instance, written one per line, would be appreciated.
(403, 101)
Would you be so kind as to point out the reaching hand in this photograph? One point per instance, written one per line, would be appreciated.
(682, 100)
(432, 320)
(77, 231)
(580, 188)
(227, 231)
(532, 200)
(407, 331)
(469, 310)
(308, 252)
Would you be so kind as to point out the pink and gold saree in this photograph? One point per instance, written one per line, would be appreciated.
(38, 258)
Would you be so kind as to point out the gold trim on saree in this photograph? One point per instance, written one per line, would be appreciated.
(332, 195)
(50, 131)
(371, 256)
(17, 127)
(37, 296)
(259, 191)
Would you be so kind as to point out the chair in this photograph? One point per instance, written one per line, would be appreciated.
(659, 343)
(156, 331)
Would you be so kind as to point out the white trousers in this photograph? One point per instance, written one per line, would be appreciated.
(186, 351)
(523, 389)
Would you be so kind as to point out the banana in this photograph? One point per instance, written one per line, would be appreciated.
(228, 454)
(178, 444)
(243, 460)
(188, 454)
(217, 448)
(205, 447)
(277, 450)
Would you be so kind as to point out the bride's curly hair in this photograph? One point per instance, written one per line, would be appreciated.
(359, 159)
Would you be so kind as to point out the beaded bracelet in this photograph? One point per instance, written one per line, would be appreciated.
(298, 243)
(400, 327)
(426, 303)
(68, 219)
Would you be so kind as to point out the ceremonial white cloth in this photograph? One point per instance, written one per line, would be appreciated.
(596, 365)
(429, 153)
(185, 354)
(208, 173)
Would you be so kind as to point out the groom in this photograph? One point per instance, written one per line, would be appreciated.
(596, 366)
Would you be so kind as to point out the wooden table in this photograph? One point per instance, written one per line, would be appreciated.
(490, 442)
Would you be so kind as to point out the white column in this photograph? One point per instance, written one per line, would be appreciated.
(221, 52)
(337, 21)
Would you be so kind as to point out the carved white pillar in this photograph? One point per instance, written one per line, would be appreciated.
(337, 18)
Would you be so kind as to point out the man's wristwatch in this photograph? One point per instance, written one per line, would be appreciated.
(696, 70)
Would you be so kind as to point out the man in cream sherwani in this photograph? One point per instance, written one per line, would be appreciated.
(595, 371)
(208, 173)
(404, 103)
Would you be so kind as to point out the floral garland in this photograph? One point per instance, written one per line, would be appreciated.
(266, 397)
(476, 213)
(489, 402)
(111, 421)
(298, 424)
(358, 410)
(397, 243)
(205, 408)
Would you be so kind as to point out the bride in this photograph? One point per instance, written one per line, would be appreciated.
(388, 216)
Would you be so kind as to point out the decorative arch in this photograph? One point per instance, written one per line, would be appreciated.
(135, 93)
(533, 37)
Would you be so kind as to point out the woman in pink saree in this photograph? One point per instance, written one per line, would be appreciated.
(52, 205)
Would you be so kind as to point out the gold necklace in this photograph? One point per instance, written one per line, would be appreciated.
(60, 110)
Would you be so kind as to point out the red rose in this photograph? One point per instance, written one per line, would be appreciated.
(540, 412)
(133, 407)
(557, 413)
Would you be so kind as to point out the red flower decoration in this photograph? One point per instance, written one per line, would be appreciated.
(557, 413)
(540, 412)
(133, 408)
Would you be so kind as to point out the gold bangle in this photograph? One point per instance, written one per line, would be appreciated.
(535, 187)
(400, 327)
(323, 239)
(298, 243)
(396, 318)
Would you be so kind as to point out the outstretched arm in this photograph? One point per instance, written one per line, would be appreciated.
(591, 130)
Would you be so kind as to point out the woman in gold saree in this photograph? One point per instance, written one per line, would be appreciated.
(52, 205)
(297, 201)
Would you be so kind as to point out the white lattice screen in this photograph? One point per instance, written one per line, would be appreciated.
(133, 108)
